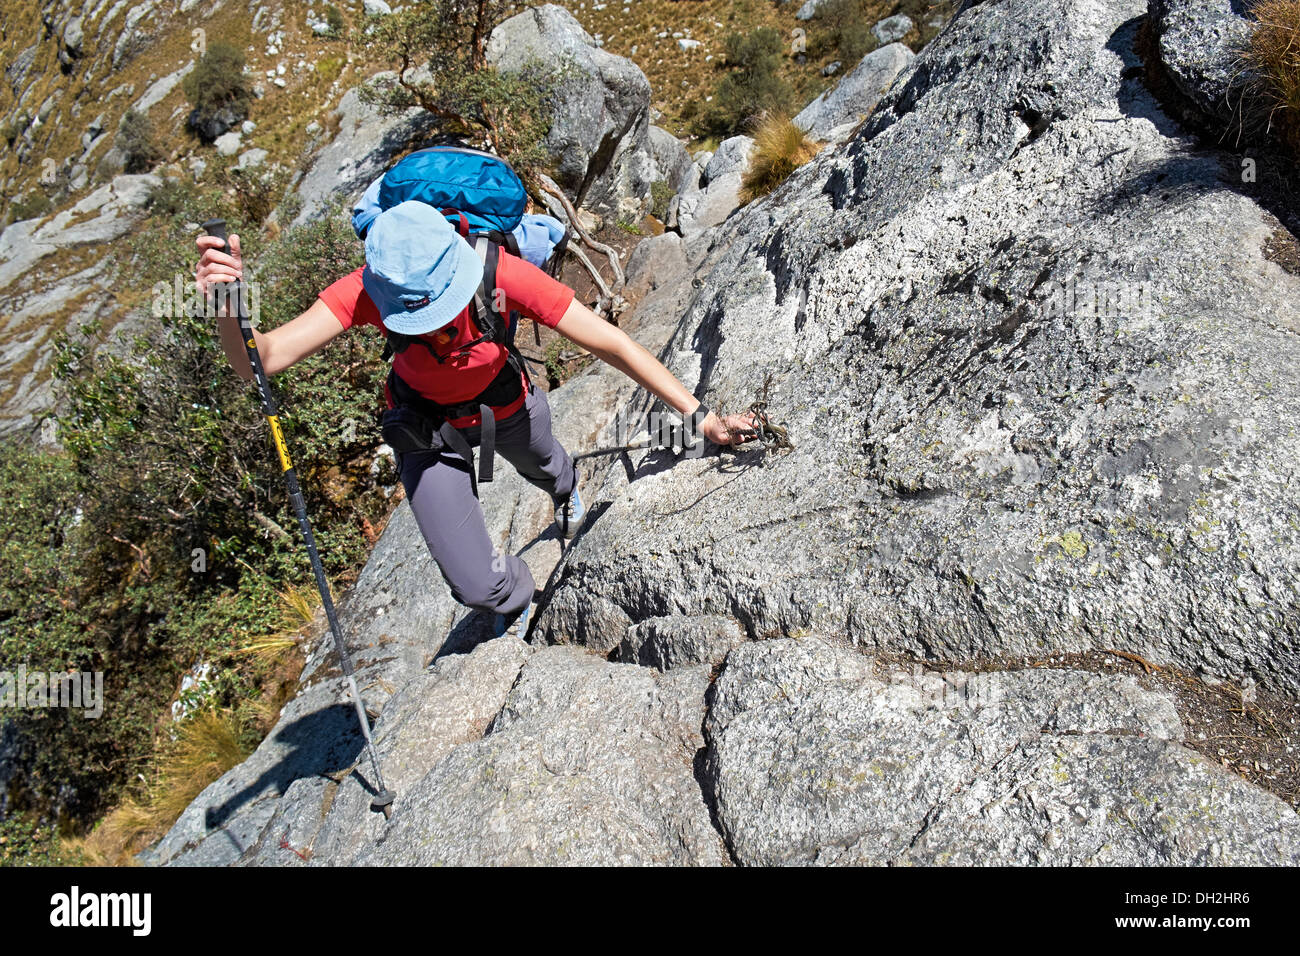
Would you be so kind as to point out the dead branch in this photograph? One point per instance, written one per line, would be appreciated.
(550, 186)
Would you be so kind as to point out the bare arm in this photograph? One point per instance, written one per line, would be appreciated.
(615, 347)
(282, 346)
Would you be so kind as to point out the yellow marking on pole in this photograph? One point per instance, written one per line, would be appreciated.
(278, 437)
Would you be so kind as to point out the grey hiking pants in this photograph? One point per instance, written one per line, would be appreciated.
(438, 487)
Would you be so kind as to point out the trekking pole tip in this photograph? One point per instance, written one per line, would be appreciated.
(384, 802)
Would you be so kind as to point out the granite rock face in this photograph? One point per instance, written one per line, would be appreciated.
(360, 151)
(814, 757)
(588, 762)
(1034, 360)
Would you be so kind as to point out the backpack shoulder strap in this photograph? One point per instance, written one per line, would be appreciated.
(495, 325)
(488, 248)
(557, 255)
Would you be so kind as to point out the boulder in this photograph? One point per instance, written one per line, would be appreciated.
(73, 35)
(695, 212)
(654, 261)
(673, 162)
(832, 116)
(1199, 43)
(600, 127)
(731, 156)
(361, 150)
(228, 144)
(892, 29)
(210, 126)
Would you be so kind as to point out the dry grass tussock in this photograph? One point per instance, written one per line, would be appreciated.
(1274, 52)
(780, 148)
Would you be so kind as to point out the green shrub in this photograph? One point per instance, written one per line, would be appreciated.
(135, 138)
(334, 19)
(256, 189)
(468, 96)
(31, 206)
(217, 84)
(328, 68)
(844, 30)
(753, 86)
(165, 452)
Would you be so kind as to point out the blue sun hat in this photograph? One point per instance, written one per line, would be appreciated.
(419, 272)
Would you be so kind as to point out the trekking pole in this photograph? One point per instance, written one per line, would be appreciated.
(640, 441)
(233, 295)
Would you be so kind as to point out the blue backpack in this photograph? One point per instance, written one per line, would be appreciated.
(485, 200)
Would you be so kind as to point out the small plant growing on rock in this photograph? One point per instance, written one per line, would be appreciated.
(1274, 52)
(661, 194)
(780, 147)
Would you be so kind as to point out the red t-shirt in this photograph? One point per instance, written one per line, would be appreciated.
(527, 289)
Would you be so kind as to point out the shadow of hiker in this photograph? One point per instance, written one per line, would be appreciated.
(469, 632)
(323, 742)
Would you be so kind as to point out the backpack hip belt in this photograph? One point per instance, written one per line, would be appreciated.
(414, 421)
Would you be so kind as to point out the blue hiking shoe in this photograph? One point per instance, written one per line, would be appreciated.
(515, 624)
(569, 513)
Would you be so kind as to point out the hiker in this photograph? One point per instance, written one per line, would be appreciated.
(450, 390)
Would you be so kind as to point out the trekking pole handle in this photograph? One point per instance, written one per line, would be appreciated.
(234, 294)
(217, 227)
